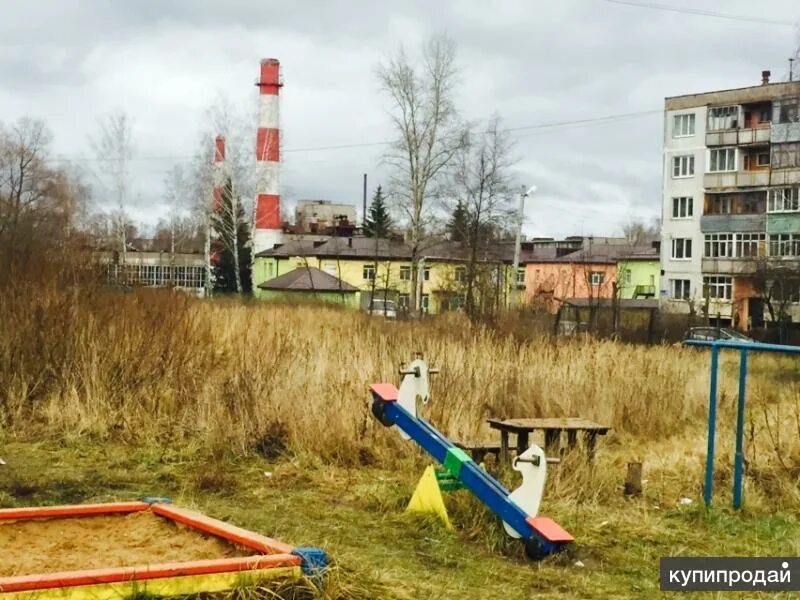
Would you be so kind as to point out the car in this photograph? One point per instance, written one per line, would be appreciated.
(712, 334)
(382, 308)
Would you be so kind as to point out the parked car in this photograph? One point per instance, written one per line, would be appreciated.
(711, 334)
(382, 308)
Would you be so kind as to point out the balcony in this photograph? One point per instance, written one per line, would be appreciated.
(749, 266)
(730, 266)
(644, 291)
(738, 179)
(733, 223)
(785, 132)
(739, 137)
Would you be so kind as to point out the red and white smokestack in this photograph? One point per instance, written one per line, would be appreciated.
(219, 171)
(267, 220)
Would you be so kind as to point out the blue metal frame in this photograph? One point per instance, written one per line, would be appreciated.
(738, 466)
(487, 489)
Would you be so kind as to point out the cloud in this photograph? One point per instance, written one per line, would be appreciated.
(71, 61)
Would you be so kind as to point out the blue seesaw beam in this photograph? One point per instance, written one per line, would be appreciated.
(548, 535)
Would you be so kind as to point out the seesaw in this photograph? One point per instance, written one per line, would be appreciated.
(518, 510)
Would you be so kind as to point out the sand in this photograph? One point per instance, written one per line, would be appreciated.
(65, 544)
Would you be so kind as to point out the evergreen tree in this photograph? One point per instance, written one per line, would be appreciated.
(458, 226)
(378, 222)
(232, 247)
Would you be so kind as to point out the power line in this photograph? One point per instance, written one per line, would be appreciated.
(553, 125)
(702, 13)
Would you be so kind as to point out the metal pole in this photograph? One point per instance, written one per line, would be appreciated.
(364, 214)
(738, 464)
(712, 425)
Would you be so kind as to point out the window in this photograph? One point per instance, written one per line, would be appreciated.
(719, 245)
(682, 248)
(720, 205)
(679, 289)
(718, 287)
(762, 159)
(721, 160)
(368, 272)
(683, 125)
(426, 273)
(682, 207)
(765, 115)
(784, 244)
(626, 276)
(521, 276)
(405, 273)
(747, 244)
(790, 112)
(403, 301)
(596, 277)
(784, 200)
(270, 268)
(722, 117)
(457, 301)
(461, 274)
(683, 166)
(426, 302)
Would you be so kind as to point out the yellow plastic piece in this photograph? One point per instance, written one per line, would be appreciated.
(427, 498)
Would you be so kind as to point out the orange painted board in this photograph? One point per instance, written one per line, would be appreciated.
(77, 510)
(385, 391)
(229, 532)
(550, 530)
(24, 583)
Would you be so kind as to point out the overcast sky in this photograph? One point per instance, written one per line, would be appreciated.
(532, 62)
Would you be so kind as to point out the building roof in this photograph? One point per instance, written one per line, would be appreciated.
(603, 253)
(745, 95)
(609, 250)
(307, 279)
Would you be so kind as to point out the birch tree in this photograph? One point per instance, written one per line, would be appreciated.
(113, 148)
(223, 119)
(429, 133)
(482, 186)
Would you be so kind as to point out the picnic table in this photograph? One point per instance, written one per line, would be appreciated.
(552, 428)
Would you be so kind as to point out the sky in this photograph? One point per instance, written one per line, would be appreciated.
(533, 63)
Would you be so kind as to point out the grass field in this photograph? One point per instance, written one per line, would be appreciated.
(107, 396)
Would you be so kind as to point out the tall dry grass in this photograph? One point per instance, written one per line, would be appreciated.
(157, 367)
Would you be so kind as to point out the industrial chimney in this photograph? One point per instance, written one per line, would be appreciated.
(267, 210)
(219, 171)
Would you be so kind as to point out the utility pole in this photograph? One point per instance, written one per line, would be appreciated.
(520, 217)
(364, 214)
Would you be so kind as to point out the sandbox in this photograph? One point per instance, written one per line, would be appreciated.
(112, 550)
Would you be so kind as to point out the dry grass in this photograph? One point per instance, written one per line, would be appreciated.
(155, 367)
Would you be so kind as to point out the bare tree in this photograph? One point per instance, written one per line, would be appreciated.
(37, 203)
(429, 133)
(637, 232)
(482, 185)
(778, 285)
(113, 147)
(225, 120)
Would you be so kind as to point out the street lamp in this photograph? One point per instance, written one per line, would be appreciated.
(520, 216)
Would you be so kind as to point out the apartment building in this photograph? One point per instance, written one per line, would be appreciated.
(731, 203)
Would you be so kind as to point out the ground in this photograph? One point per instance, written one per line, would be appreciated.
(356, 515)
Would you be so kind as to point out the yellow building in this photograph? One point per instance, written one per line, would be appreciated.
(381, 268)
